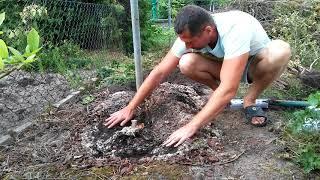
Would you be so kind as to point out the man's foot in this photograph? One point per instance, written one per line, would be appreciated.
(255, 116)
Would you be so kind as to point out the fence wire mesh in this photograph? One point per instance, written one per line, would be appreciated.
(92, 26)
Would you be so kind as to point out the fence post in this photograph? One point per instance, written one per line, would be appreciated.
(154, 9)
(169, 13)
(136, 41)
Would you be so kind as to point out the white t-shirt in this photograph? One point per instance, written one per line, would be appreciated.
(238, 33)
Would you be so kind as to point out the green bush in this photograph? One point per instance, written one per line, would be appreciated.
(109, 25)
(146, 28)
(59, 21)
(304, 128)
(158, 37)
(176, 5)
(221, 3)
(298, 23)
(13, 29)
(117, 73)
(11, 59)
(60, 59)
(309, 158)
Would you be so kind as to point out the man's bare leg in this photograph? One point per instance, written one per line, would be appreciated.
(201, 69)
(267, 67)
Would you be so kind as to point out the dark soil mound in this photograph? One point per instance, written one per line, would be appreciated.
(170, 107)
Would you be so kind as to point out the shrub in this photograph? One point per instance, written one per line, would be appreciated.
(297, 22)
(62, 58)
(304, 128)
(16, 60)
(175, 6)
(117, 73)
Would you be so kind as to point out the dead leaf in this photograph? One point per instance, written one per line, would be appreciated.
(233, 156)
(130, 168)
(77, 157)
(213, 159)
(140, 126)
(123, 171)
(99, 163)
(212, 142)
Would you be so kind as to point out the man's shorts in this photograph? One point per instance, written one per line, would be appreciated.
(246, 79)
(245, 76)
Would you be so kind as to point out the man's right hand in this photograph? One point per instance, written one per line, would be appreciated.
(160, 72)
(122, 117)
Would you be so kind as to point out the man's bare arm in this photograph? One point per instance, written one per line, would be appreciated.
(161, 71)
(230, 76)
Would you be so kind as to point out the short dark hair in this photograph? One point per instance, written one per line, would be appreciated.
(192, 18)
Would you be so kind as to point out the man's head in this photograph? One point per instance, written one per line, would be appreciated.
(195, 26)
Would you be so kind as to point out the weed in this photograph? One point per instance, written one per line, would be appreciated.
(87, 99)
(74, 78)
(61, 59)
(160, 37)
(293, 90)
(117, 73)
(304, 128)
(309, 158)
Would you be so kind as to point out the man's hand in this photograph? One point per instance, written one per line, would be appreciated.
(180, 135)
(123, 116)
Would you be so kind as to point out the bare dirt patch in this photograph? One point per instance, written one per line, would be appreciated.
(24, 95)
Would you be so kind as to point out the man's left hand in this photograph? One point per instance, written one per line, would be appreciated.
(180, 135)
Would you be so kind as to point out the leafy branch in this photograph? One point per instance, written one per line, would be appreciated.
(11, 59)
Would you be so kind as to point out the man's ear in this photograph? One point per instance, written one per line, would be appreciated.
(209, 29)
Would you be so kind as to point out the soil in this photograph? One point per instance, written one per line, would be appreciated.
(24, 95)
(72, 143)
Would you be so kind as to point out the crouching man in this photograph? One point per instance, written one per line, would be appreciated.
(219, 50)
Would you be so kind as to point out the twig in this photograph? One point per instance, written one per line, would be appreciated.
(215, 164)
(40, 165)
(315, 61)
(2, 75)
(295, 140)
(96, 175)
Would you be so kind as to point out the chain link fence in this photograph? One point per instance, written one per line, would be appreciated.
(77, 39)
(92, 26)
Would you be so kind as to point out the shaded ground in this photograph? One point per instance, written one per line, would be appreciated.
(24, 95)
(71, 142)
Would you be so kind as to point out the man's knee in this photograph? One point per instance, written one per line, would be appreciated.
(187, 63)
(279, 52)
